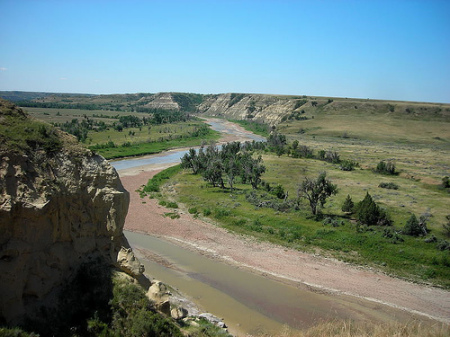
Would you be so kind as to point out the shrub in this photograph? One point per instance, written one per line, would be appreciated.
(386, 168)
(413, 227)
(446, 182)
(348, 165)
(389, 186)
(369, 213)
(172, 204)
(443, 245)
(193, 210)
(392, 235)
(333, 222)
(446, 226)
(348, 205)
(278, 191)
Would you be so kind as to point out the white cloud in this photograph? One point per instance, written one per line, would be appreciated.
(63, 78)
(3, 69)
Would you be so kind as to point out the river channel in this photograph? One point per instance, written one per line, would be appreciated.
(250, 303)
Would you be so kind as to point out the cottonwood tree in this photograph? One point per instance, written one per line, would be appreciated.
(316, 191)
(251, 169)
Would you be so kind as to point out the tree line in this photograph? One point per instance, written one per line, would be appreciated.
(234, 160)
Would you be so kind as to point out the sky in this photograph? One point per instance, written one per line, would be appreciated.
(395, 50)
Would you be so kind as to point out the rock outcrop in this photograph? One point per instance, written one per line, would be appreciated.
(267, 109)
(61, 206)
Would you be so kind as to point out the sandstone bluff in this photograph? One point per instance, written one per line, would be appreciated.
(61, 206)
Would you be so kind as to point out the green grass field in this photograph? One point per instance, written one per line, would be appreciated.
(420, 149)
(148, 139)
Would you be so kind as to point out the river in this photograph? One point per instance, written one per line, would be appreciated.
(247, 301)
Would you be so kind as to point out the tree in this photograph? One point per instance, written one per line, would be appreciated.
(348, 205)
(213, 173)
(368, 213)
(251, 169)
(316, 191)
(412, 226)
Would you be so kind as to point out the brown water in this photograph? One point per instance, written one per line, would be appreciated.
(248, 302)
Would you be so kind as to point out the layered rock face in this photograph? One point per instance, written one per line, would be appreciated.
(261, 108)
(58, 210)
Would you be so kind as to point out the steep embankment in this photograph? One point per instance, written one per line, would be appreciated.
(272, 109)
(61, 207)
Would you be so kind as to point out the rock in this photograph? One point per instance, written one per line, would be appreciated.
(129, 263)
(178, 313)
(160, 296)
(58, 211)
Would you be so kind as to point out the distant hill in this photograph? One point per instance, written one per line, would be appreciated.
(262, 108)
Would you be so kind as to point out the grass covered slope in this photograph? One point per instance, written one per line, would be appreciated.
(21, 134)
(416, 142)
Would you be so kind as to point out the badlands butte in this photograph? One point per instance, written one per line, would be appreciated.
(64, 258)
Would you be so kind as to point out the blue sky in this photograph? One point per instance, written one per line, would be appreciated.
(394, 49)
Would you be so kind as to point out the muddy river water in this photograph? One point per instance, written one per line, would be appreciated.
(248, 302)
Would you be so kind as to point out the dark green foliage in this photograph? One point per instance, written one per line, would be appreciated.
(348, 205)
(386, 168)
(316, 191)
(328, 221)
(443, 245)
(276, 143)
(278, 191)
(299, 103)
(16, 332)
(187, 102)
(348, 165)
(446, 226)
(160, 178)
(370, 214)
(389, 186)
(446, 182)
(332, 157)
(414, 227)
(230, 162)
(235, 98)
(302, 151)
(390, 234)
(134, 314)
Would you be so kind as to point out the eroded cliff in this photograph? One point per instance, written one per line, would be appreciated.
(61, 206)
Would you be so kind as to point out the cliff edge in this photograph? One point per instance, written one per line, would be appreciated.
(61, 206)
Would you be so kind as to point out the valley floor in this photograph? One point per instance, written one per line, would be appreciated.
(306, 270)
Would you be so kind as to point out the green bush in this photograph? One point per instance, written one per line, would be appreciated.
(412, 226)
(193, 210)
(389, 186)
(348, 205)
(370, 214)
(386, 168)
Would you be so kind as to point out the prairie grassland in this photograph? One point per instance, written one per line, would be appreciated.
(147, 139)
(51, 115)
(367, 329)
(150, 133)
(420, 149)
